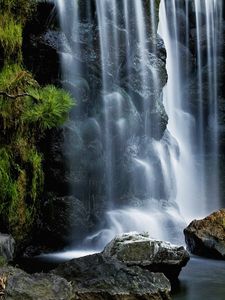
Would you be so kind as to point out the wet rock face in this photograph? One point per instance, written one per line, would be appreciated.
(6, 246)
(96, 278)
(40, 48)
(140, 250)
(64, 218)
(20, 285)
(207, 237)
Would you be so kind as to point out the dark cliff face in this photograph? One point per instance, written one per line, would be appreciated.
(39, 50)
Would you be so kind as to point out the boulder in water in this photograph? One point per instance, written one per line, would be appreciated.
(135, 249)
(207, 237)
(130, 267)
(96, 277)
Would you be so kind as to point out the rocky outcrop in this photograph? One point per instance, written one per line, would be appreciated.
(130, 267)
(6, 246)
(90, 278)
(207, 237)
(96, 278)
(17, 285)
(140, 250)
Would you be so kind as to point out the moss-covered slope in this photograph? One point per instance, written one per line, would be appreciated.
(27, 110)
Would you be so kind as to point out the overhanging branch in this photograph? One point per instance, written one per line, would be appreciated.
(18, 96)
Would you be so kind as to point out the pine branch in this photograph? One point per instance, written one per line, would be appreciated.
(18, 96)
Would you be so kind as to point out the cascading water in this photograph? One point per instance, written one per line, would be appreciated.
(131, 172)
(196, 132)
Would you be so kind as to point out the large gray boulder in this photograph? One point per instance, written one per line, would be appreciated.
(97, 278)
(135, 249)
(18, 285)
(7, 244)
(130, 267)
(207, 237)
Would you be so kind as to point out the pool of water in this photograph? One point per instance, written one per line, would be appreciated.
(47, 262)
(201, 279)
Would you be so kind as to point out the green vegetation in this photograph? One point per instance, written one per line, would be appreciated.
(21, 10)
(23, 121)
(14, 14)
(51, 109)
(10, 36)
(3, 262)
(27, 111)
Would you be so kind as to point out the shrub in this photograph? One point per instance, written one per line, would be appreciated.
(51, 109)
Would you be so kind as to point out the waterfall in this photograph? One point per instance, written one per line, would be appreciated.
(196, 132)
(142, 150)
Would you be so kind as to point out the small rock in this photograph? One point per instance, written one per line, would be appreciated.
(207, 237)
(6, 246)
(134, 249)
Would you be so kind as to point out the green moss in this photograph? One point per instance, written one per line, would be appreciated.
(35, 159)
(14, 79)
(5, 178)
(14, 14)
(23, 122)
(20, 188)
(10, 36)
(20, 9)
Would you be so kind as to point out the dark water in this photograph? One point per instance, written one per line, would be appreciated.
(202, 279)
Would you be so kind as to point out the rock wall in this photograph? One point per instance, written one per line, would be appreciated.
(75, 193)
